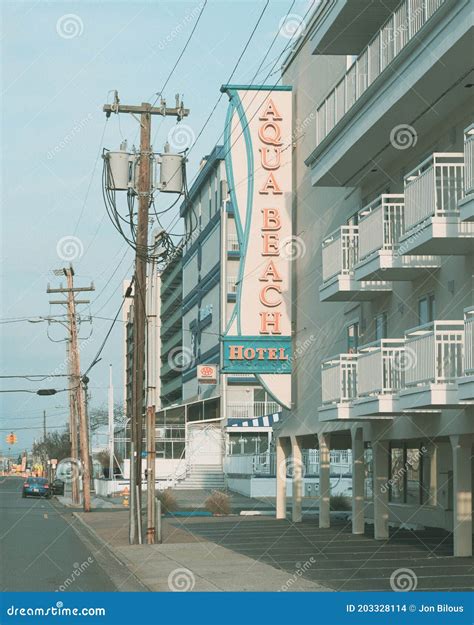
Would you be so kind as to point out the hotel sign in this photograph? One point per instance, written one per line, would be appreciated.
(258, 151)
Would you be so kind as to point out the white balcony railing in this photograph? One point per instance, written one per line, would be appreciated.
(231, 284)
(265, 463)
(339, 379)
(469, 341)
(340, 252)
(380, 367)
(381, 224)
(469, 159)
(252, 409)
(233, 243)
(434, 353)
(400, 28)
(434, 188)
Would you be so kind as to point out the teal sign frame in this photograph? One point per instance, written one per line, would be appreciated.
(257, 354)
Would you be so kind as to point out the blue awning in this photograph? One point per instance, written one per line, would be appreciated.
(258, 422)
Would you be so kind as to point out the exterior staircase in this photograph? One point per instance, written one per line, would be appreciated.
(203, 476)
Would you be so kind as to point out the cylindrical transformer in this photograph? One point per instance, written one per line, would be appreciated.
(118, 170)
(171, 173)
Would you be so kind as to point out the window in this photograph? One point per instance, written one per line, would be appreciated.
(209, 191)
(406, 472)
(243, 443)
(426, 309)
(352, 337)
(381, 326)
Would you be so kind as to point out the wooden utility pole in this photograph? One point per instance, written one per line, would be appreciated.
(72, 424)
(150, 474)
(78, 397)
(145, 110)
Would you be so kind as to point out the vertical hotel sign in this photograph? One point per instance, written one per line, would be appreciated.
(258, 151)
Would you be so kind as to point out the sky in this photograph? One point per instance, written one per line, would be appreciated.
(61, 62)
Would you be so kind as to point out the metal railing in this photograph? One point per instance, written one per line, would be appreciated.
(398, 30)
(469, 159)
(264, 465)
(233, 243)
(339, 379)
(380, 367)
(381, 224)
(469, 341)
(434, 353)
(340, 252)
(248, 410)
(434, 188)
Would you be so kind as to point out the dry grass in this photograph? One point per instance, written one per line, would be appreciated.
(168, 500)
(218, 503)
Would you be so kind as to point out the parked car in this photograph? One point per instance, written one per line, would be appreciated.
(57, 487)
(36, 487)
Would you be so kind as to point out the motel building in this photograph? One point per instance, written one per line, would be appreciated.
(383, 221)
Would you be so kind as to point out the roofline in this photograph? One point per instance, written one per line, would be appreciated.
(319, 9)
(230, 87)
(215, 156)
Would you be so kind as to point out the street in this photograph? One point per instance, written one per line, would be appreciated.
(40, 549)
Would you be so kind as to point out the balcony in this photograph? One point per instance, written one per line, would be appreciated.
(380, 377)
(231, 288)
(466, 205)
(252, 409)
(381, 224)
(233, 246)
(340, 255)
(466, 381)
(401, 27)
(344, 28)
(433, 362)
(364, 114)
(432, 224)
(339, 387)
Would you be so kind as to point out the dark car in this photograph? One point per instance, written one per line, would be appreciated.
(57, 487)
(36, 487)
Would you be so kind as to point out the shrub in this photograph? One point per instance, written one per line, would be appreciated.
(218, 503)
(168, 500)
(339, 503)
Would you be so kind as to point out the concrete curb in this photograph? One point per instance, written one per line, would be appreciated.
(107, 546)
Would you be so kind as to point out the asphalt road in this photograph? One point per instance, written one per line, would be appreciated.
(40, 547)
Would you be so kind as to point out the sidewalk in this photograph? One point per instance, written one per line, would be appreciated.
(188, 562)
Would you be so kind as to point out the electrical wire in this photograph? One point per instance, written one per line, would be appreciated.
(97, 356)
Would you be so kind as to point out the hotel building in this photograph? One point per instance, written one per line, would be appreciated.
(383, 218)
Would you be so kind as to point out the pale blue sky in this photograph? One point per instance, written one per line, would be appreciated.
(53, 91)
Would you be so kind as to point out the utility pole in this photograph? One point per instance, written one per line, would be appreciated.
(111, 425)
(72, 425)
(76, 382)
(145, 110)
(150, 474)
